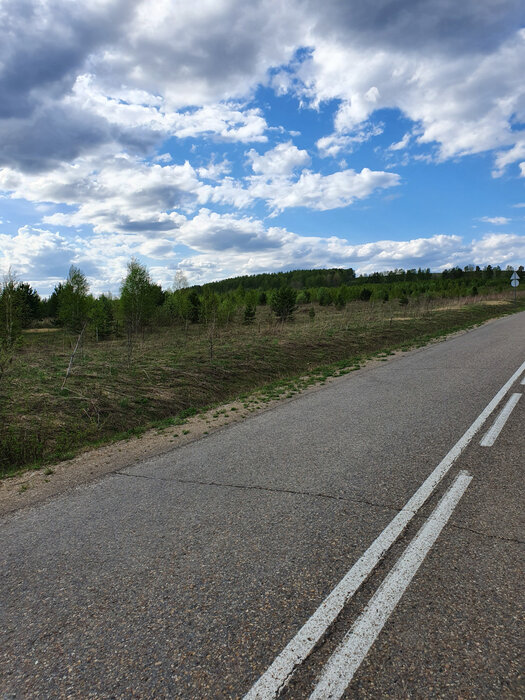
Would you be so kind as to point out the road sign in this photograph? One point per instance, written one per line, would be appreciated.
(514, 282)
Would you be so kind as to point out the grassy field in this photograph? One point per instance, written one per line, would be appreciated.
(176, 372)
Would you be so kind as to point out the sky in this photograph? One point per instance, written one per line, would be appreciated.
(225, 137)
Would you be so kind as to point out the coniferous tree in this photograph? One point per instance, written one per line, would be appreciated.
(74, 303)
(283, 304)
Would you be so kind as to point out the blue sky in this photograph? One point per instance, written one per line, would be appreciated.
(223, 138)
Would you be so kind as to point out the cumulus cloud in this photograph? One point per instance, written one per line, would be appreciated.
(36, 255)
(463, 89)
(252, 248)
(126, 73)
(321, 192)
(212, 232)
(502, 248)
(91, 93)
(46, 44)
(128, 194)
(135, 110)
(400, 145)
(280, 161)
(117, 72)
(125, 195)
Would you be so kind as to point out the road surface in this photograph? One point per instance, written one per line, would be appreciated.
(194, 575)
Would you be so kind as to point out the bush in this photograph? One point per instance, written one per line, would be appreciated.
(365, 294)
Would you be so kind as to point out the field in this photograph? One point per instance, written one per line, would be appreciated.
(174, 372)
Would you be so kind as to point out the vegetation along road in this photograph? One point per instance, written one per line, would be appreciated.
(362, 540)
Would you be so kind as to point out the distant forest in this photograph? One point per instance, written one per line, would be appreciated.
(143, 303)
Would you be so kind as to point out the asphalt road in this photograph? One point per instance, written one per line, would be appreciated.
(187, 575)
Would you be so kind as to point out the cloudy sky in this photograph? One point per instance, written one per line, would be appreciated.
(225, 137)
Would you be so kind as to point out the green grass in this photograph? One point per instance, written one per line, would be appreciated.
(172, 377)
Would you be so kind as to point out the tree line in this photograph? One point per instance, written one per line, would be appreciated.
(143, 303)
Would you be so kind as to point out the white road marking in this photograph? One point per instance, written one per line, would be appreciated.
(347, 658)
(523, 380)
(492, 433)
(277, 675)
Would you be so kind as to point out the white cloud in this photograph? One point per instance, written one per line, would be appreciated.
(322, 192)
(123, 195)
(225, 245)
(212, 232)
(214, 171)
(496, 220)
(134, 109)
(36, 255)
(251, 248)
(463, 101)
(119, 74)
(509, 156)
(499, 249)
(341, 140)
(279, 161)
(91, 93)
(400, 145)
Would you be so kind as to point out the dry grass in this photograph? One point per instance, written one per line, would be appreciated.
(177, 370)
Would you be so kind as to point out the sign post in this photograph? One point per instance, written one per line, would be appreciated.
(514, 281)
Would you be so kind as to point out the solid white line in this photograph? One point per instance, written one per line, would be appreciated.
(523, 380)
(493, 432)
(349, 655)
(275, 678)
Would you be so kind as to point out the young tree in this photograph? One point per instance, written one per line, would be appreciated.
(74, 302)
(138, 297)
(340, 299)
(10, 320)
(51, 305)
(282, 303)
(194, 306)
(102, 319)
(180, 281)
(29, 302)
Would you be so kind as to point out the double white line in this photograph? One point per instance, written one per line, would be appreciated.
(276, 677)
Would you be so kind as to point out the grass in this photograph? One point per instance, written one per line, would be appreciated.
(172, 376)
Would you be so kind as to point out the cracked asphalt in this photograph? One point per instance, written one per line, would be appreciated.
(184, 576)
